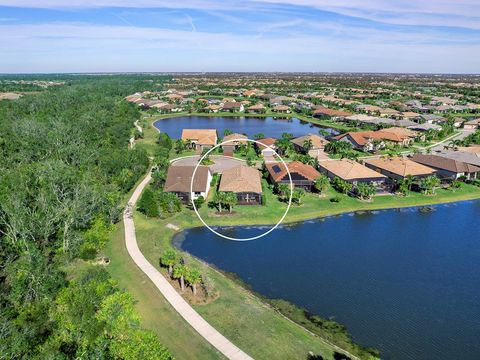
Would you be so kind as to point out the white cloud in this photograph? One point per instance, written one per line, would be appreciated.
(86, 47)
(459, 13)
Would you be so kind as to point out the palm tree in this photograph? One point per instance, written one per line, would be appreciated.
(169, 258)
(231, 200)
(179, 272)
(322, 183)
(283, 191)
(434, 183)
(227, 132)
(409, 181)
(366, 190)
(298, 195)
(219, 198)
(307, 145)
(193, 277)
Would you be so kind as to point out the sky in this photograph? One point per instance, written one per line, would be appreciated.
(422, 36)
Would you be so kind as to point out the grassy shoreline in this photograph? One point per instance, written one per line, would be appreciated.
(249, 320)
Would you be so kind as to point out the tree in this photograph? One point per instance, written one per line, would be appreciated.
(259, 136)
(179, 272)
(147, 204)
(283, 191)
(219, 199)
(169, 258)
(322, 183)
(365, 190)
(307, 145)
(341, 185)
(429, 184)
(227, 132)
(230, 199)
(180, 146)
(164, 141)
(193, 277)
(298, 195)
(169, 203)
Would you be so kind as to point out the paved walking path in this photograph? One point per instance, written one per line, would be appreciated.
(221, 343)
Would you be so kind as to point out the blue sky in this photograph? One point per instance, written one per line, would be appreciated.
(265, 35)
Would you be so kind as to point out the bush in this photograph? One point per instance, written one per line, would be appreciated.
(147, 204)
(264, 199)
(336, 199)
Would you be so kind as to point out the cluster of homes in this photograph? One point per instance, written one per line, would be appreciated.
(412, 114)
(245, 181)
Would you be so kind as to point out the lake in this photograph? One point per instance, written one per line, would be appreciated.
(404, 281)
(244, 125)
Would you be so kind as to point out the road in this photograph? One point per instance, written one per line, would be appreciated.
(220, 162)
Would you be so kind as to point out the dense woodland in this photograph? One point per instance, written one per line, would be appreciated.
(65, 168)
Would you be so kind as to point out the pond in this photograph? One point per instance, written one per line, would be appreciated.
(244, 125)
(404, 281)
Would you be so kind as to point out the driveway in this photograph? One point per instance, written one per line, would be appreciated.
(221, 162)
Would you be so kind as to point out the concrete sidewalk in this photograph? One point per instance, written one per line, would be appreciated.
(221, 343)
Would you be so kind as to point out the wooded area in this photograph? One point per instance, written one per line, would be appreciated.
(65, 167)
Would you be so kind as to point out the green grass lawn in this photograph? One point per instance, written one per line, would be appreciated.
(238, 314)
(156, 313)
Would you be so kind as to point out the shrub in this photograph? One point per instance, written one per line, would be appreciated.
(147, 204)
(336, 199)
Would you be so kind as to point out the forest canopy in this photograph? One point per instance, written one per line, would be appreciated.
(65, 165)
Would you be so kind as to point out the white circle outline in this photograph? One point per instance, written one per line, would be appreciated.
(225, 236)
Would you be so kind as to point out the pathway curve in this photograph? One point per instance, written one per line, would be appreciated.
(220, 342)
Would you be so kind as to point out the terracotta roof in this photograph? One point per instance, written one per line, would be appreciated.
(241, 179)
(329, 112)
(232, 105)
(257, 107)
(235, 136)
(400, 166)
(318, 142)
(444, 163)
(267, 142)
(202, 136)
(278, 171)
(349, 170)
(179, 178)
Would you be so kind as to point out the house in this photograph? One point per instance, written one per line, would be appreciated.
(389, 113)
(234, 141)
(425, 127)
(318, 144)
(472, 124)
(410, 115)
(267, 147)
(324, 112)
(179, 179)
(213, 108)
(257, 109)
(433, 119)
(447, 168)
(350, 171)
(245, 182)
(471, 158)
(283, 109)
(303, 175)
(374, 140)
(200, 138)
(397, 168)
(233, 107)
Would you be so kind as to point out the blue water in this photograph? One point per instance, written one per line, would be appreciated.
(243, 125)
(404, 281)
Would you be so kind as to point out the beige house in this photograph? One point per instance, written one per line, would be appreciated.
(200, 138)
(350, 171)
(245, 182)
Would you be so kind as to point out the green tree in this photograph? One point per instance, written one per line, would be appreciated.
(193, 277)
(230, 200)
(298, 195)
(169, 258)
(179, 272)
(147, 204)
(180, 146)
(365, 190)
(259, 136)
(341, 185)
(164, 141)
(307, 145)
(322, 183)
